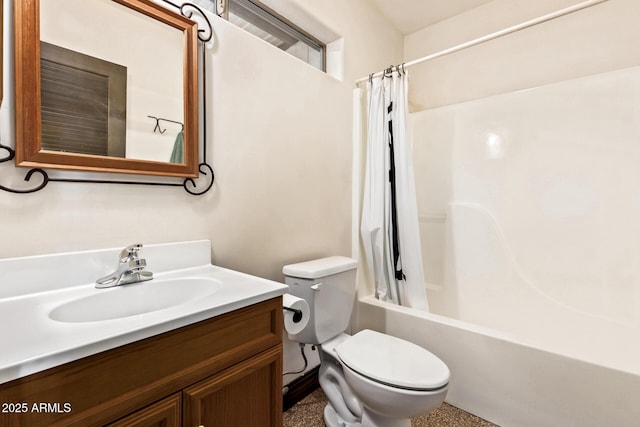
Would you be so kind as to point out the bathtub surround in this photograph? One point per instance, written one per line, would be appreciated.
(540, 249)
(389, 226)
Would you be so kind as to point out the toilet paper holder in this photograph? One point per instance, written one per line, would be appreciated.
(297, 314)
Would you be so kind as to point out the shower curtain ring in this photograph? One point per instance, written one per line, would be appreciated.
(371, 78)
(388, 72)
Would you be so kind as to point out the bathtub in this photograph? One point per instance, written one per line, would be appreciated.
(520, 354)
(510, 382)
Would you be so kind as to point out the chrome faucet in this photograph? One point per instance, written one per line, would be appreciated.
(131, 269)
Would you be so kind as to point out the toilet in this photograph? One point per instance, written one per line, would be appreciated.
(370, 379)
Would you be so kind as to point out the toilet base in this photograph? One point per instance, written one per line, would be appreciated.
(331, 418)
(369, 419)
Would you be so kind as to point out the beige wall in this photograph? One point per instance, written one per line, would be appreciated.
(598, 39)
(371, 43)
(279, 139)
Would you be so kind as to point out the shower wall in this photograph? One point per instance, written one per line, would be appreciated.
(526, 168)
(529, 206)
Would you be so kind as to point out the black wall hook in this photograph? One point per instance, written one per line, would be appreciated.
(157, 127)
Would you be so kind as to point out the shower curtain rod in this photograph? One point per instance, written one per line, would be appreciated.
(509, 30)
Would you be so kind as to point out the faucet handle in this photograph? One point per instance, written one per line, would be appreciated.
(130, 252)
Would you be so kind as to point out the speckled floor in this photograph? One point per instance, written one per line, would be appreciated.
(308, 413)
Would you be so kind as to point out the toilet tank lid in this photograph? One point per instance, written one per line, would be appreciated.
(320, 267)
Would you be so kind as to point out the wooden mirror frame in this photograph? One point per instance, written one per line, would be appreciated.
(28, 151)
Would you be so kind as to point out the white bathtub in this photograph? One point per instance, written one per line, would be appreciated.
(511, 383)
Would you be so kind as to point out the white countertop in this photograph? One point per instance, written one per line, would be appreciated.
(30, 341)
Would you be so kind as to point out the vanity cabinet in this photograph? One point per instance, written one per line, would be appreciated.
(224, 371)
(237, 396)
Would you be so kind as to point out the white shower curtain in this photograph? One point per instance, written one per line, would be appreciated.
(389, 225)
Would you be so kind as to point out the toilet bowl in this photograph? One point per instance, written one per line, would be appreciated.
(392, 379)
(370, 379)
(390, 406)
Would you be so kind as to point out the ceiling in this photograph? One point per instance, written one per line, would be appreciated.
(409, 16)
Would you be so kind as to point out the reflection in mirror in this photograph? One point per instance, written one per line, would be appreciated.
(100, 85)
(151, 57)
(83, 103)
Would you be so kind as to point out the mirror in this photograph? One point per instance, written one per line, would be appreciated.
(107, 86)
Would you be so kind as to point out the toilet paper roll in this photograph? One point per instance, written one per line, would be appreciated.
(293, 324)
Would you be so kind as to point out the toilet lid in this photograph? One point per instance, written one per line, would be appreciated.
(393, 361)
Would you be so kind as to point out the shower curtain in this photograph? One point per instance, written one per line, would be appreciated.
(389, 224)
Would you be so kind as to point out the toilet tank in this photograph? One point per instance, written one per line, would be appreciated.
(328, 285)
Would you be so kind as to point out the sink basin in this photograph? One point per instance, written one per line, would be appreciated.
(134, 299)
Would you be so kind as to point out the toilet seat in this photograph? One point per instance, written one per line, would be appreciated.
(393, 361)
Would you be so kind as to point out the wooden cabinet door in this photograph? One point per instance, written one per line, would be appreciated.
(248, 394)
(165, 413)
